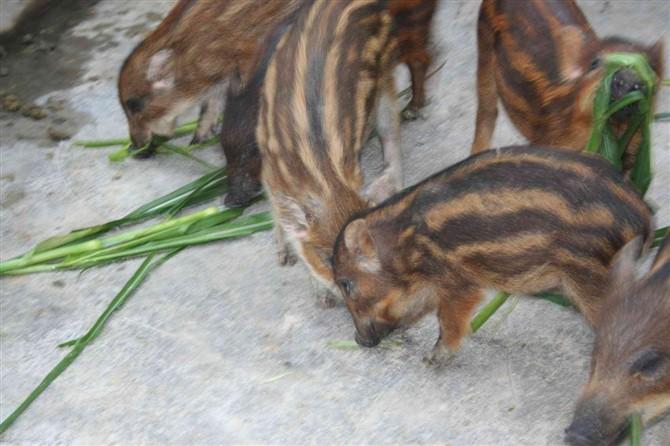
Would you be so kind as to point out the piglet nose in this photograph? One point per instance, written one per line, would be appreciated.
(584, 430)
(576, 436)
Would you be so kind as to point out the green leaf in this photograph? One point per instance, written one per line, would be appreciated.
(81, 343)
(635, 432)
(489, 309)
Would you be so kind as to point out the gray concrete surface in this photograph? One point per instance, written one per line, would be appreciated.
(221, 345)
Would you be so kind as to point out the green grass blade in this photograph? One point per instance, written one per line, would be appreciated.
(203, 189)
(138, 277)
(171, 148)
(600, 105)
(102, 143)
(665, 116)
(489, 309)
(166, 202)
(234, 229)
(635, 432)
(609, 147)
(626, 100)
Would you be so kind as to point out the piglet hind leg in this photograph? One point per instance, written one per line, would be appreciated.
(487, 92)
(210, 110)
(388, 128)
(454, 313)
(418, 69)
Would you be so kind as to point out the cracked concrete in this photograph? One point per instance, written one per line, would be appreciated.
(221, 345)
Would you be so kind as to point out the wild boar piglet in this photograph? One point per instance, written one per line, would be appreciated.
(544, 61)
(630, 366)
(329, 84)
(412, 20)
(201, 48)
(516, 219)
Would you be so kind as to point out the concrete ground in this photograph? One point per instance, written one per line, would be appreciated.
(221, 345)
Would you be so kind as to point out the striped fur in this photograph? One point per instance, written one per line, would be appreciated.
(518, 219)
(541, 57)
(199, 48)
(630, 369)
(412, 20)
(328, 79)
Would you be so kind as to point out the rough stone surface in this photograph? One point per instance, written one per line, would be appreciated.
(221, 345)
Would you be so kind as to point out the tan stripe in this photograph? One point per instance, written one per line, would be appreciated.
(501, 202)
(332, 113)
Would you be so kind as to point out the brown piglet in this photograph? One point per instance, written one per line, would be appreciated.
(329, 84)
(412, 20)
(198, 51)
(544, 61)
(630, 367)
(517, 219)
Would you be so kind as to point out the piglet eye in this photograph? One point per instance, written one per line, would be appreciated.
(135, 105)
(346, 286)
(595, 63)
(649, 364)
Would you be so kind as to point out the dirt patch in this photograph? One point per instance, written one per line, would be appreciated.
(42, 55)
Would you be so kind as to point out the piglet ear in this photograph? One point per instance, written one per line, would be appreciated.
(161, 70)
(293, 217)
(656, 55)
(570, 46)
(359, 241)
(622, 268)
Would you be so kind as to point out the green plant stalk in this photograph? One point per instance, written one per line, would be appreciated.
(98, 244)
(22, 262)
(600, 104)
(168, 232)
(184, 129)
(202, 189)
(489, 309)
(665, 116)
(635, 433)
(138, 277)
(233, 229)
(163, 204)
(186, 154)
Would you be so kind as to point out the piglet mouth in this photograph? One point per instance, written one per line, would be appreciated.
(147, 150)
(583, 433)
(371, 333)
(625, 81)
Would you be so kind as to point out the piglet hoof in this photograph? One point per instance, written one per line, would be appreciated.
(242, 189)
(382, 188)
(438, 358)
(410, 114)
(285, 257)
(202, 137)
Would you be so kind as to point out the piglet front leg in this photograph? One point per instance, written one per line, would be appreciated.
(388, 128)
(454, 314)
